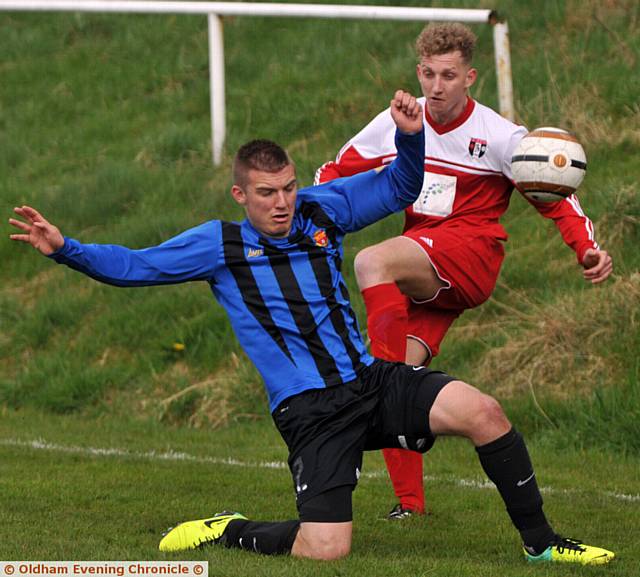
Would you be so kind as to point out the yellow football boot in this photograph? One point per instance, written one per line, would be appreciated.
(195, 534)
(565, 550)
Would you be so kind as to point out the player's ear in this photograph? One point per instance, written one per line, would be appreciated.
(472, 75)
(238, 194)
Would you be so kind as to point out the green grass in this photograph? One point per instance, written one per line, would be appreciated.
(64, 500)
(104, 126)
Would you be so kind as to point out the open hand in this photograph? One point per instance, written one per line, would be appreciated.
(597, 265)
(36, 231)
(406, 112)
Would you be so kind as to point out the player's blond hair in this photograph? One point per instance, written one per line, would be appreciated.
(444, 38)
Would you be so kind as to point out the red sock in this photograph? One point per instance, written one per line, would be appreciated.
(386, 321)
(387, 326)
(405, 472)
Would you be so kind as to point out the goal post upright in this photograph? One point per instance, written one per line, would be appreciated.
(216, 87)
(502, 53)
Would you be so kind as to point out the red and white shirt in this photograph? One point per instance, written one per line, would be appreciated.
(467, 180)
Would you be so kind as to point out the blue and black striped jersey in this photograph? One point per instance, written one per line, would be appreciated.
(286, 298)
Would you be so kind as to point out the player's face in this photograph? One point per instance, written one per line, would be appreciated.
(445, 79)
(269, 198)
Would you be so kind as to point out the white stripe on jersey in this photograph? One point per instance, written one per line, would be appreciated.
(461, 167)
(342, 151)
(316, 178)
(448, 164)
(588, 225)
(573, 201)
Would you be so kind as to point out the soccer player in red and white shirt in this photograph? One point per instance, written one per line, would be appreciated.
(449, 255)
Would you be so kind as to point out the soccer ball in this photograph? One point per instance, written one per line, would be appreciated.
(548, 164)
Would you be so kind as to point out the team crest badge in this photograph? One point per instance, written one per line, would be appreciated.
(320, 237)
(477, 147)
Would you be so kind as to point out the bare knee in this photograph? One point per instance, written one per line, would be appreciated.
(371, 268)
(461, 409)
(323, 541)
(330, 551)
(321, 549)
(398, 260)
(489, 422)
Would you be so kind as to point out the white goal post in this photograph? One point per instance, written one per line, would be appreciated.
(216, 10)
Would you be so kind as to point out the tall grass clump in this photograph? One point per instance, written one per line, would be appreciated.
(565, 348)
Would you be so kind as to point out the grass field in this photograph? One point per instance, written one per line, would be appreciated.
(77, 488)
(104, 126)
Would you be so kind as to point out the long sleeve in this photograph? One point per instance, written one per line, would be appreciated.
(574, 225)
(365, 198)
(370, 148)
(349, 162)
(192, 255)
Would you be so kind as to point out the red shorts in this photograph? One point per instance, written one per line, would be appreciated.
(469, 264)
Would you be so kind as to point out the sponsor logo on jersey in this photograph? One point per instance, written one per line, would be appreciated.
(437, 195)
(254, 252)
(320, 237)
(477, 147)
(435, 188)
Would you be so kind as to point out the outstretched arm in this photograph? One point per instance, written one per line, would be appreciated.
(36, 231)
(578, 232)
(191, 255)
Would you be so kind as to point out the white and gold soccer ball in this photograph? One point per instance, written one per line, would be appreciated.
(548, 164)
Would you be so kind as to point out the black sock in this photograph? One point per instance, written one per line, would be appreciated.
(506, 462)
(266, 538)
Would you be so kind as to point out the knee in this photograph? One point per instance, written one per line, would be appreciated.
(326, 549)
(332, 550)
(370, 267)
(490, 419)
(322, 543)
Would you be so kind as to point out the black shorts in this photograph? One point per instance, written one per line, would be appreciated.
(327, 430)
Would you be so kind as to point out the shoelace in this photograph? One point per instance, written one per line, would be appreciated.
(562, 543)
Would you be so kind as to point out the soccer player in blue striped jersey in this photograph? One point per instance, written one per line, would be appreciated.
(278, 276)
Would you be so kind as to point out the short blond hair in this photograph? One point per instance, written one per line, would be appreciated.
(444, 38)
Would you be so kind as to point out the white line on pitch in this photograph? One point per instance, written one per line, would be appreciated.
(42, 445)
